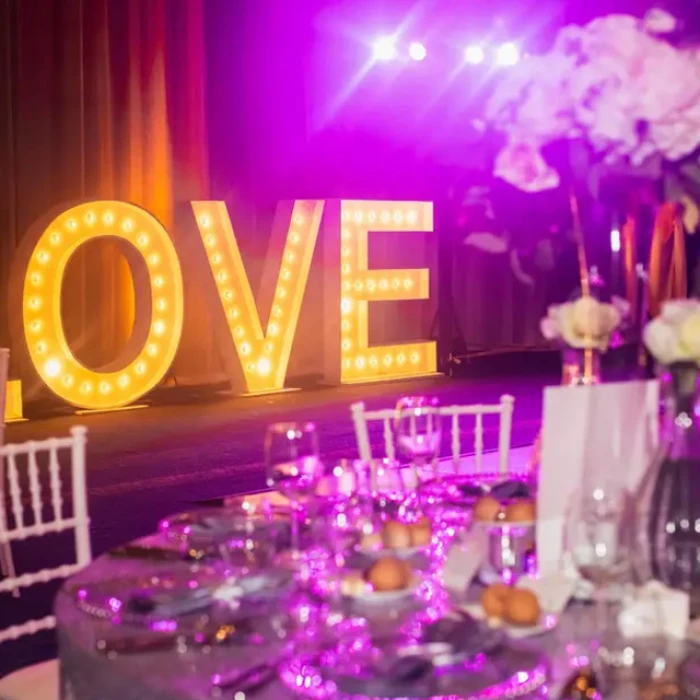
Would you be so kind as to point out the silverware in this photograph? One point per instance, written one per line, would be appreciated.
(218, 635)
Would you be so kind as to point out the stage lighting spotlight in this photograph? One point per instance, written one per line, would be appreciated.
(507, 54)
(385, 49)
(474, 54)
(417, 51)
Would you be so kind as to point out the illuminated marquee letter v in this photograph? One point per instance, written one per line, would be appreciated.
(264, 357)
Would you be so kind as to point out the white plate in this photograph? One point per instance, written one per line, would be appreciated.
(387, 597)
(398, 552)
(547, 622)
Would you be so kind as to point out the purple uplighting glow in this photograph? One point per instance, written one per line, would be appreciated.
(507, 54)
(474, 54)
(417, 51)
(385, 49)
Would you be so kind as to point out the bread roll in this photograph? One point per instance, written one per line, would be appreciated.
(493, 600)
(389, 574)
(396, 535)
(421, 532)
(522, 607)
(520, 512)
(487, 509)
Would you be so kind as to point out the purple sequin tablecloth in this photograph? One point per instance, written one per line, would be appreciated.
(87, 674)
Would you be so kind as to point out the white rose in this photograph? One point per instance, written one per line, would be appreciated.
(689, 336)
(662, 342)
(593, 320)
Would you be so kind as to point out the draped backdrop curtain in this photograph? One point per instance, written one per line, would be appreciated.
(104, 99)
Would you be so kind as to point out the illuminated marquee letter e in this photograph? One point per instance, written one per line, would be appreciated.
(360, 285)
(159, 305)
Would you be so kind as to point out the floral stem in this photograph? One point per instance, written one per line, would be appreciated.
(580, 245)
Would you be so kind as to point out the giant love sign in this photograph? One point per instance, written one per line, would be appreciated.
(158, 285)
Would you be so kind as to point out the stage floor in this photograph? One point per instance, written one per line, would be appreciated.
(143, 465)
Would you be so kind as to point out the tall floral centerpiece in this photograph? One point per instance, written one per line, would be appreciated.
(583, 329)
(669, 498)
(613, 106)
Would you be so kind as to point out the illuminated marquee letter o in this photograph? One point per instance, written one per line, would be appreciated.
(156, 333)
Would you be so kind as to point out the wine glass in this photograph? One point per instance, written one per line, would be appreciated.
(598, 539)
(418, 430)
(293, 467)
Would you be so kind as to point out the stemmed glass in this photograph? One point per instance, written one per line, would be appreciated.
(293, 468)
(418, 430)
(599, 542)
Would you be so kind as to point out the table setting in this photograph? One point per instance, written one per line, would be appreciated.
(342, 581)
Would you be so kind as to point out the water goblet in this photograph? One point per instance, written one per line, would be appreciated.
(293, 468)
(418, 429)
(598, 539)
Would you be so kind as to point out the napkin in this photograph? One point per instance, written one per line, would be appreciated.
(654, 610)
(463, 561)
(552, 590)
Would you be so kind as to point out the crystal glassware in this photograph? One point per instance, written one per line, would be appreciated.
(598, 537)
(418, 429)
(293, 468)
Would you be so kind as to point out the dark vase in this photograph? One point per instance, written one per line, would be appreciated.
(669, 499)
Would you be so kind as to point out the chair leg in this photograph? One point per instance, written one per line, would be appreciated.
(7, 566)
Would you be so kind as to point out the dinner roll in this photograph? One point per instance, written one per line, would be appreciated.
(389, 574)
(421, 532)
(522, 607)
(493, 600)
(520, 512)
(487, 509)
(396, 535)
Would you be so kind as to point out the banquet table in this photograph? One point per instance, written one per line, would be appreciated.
(88, 674)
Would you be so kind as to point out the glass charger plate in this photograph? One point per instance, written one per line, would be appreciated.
(174, 600)
(510, 672)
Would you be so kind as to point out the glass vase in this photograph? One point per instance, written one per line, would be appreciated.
(668, 503)
(580, 366)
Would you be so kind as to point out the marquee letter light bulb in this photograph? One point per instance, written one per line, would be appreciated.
(264, 356)
(360, 286)
(136, 371)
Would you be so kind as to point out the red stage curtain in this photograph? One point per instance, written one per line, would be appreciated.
(104, 99)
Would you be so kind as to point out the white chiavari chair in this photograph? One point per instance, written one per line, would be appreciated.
(503, 410)
(17, 523)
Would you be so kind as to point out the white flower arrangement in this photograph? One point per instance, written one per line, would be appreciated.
(674, 336)
(585, 323)
(616, 83)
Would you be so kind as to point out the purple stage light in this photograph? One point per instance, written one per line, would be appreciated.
(417, 51)
(474, 54)
(385, 49)
(507, 54)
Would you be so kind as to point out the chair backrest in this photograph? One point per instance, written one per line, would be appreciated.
(504, 409)
(21, 464)
(4, 365)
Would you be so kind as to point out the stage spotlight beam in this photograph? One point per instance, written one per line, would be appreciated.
(507, 54)
(384, 49)
(474, 54)
(417, 51)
